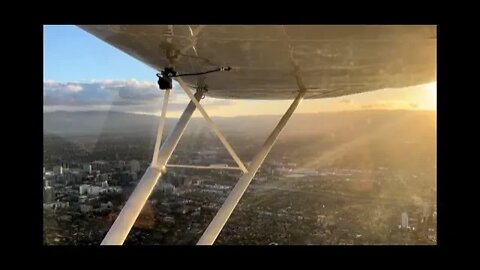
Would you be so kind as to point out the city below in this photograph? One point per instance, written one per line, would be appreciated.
(327, 187)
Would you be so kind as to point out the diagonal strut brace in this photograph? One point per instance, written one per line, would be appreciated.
(212, 125)
(216, 226)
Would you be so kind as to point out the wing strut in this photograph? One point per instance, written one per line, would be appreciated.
(161, 124)
(127, 217)
(216, 226)
(212, 125)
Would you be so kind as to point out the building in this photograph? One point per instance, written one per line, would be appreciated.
(104, 177)
(166, 187)
(111, 189)
(105, 206)
(90, 190)
(85, 208)
(74, 176)
(425, 211)
(404, 220)
(82, 199)
(84, 189)
(177, 180)
(95, 190)
(119, 165)
(48, 194)
(58, 170)
(124, 178)
(99, 165)
(87, 168)
(56, 205)
(134, 166)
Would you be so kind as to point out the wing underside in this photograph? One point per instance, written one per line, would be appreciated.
(331, 60)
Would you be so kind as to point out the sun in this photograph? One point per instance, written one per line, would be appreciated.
(432, 87)
(430, 94)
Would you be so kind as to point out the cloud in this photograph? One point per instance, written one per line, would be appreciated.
(346, 101)
(99, 92)
(74, 88)
(120, 95)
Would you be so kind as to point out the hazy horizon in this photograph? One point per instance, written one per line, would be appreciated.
(99, 122)
(244, 115)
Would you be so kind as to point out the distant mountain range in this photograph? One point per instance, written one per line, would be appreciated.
(362, 139)
(109, 122)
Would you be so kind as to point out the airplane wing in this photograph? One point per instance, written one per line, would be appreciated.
(268, 62)
(331, 60)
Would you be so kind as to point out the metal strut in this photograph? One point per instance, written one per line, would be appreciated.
(201, 167)
(212, 125)
(127, 217)
(216, 226)
(130, 212)
(161, 124)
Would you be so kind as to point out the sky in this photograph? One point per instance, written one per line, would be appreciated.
(82, 72)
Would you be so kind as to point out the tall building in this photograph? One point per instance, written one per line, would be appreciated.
(48, 194)
(404, 220)
(134, 166)
(425, 210)
(58, 170)
(87, 168)
(66, 167)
